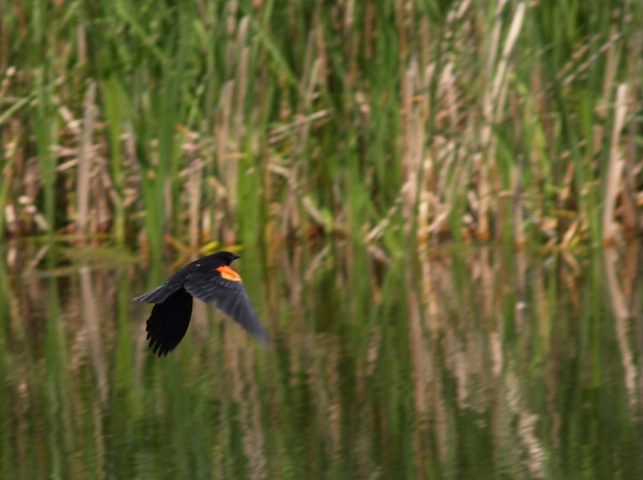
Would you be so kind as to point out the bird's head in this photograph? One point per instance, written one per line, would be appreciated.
(223, 258)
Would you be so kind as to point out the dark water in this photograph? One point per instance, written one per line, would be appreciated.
(482, 364)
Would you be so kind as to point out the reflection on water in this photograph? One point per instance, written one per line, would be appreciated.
(483, 364)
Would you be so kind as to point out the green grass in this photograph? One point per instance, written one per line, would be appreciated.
(254, 122)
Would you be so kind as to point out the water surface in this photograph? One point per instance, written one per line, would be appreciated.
(477, 364)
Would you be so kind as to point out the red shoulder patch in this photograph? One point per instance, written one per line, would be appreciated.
(229, 274)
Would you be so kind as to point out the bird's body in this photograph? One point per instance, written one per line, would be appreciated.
(210, 279)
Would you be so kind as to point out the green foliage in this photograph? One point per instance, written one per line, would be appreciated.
(252, 122)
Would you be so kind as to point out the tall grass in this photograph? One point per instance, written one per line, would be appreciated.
(257, 122)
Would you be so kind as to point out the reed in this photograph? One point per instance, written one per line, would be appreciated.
(252, 122)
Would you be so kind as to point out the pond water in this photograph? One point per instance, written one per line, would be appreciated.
(482, 363)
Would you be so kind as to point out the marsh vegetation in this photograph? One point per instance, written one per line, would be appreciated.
(438, 206)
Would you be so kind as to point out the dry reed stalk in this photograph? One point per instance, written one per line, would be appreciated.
(223, 139)
(521, 289)
(242, 76)
(631, 223)
(614, 181)
(488, 274)
(516, 204)
(234, 120)
(500, 84)
(412, 151)
(8, 217)
(194, 184)
(194, 188)
(282, 132)
(85, 158)
(309, 84)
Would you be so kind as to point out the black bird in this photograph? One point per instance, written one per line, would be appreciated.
(209, 279)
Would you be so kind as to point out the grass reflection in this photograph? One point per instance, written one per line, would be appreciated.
(481, 364)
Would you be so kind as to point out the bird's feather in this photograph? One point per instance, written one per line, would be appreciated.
(169, 321)
(229, 296)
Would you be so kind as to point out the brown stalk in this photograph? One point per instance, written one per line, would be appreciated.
(85, 158)
(614, 181)
(195, 181)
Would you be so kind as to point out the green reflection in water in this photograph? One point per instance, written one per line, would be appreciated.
(472, 365)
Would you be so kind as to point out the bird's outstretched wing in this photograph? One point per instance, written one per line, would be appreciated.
(158, 295)
(169, 321)
(224, 287)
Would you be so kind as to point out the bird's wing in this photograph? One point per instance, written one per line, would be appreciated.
(169, 321)
(224, 287)
(159, 294)
(171, 285)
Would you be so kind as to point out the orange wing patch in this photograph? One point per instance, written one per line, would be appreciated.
(229, 274)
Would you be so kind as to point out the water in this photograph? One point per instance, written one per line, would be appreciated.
(475, 364)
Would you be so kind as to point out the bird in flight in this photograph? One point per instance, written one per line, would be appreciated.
(210, 279)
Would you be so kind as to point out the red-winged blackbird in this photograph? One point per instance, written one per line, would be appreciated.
(209, 279)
